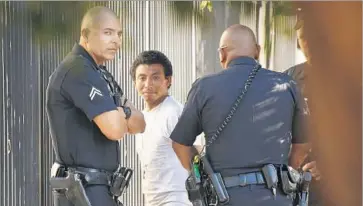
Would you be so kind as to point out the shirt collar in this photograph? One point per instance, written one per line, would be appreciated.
(79, 50)
(242, 60)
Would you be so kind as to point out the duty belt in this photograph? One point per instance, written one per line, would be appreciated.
(93, 176)
(253, 178)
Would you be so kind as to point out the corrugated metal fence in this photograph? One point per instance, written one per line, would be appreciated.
(27, 58)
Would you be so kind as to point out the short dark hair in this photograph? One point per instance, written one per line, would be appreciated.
(152, 57)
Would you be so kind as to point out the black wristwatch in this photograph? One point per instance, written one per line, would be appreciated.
(127, 112)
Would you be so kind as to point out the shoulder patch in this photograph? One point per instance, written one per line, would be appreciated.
(94, 92)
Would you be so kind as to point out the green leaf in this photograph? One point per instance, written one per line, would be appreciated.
(206, 4)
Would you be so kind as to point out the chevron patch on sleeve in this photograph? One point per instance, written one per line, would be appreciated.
(94, 92)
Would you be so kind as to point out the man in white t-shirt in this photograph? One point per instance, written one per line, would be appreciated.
(164, 177)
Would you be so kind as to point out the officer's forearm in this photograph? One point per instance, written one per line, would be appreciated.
(136, 122)
(298, 154)
(184, 154)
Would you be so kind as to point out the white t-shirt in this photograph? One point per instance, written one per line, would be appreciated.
(162, 170)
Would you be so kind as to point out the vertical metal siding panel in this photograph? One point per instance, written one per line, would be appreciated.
(2, 95)
(47, 65)
(170, 36)
(5, 72)
(284, 43)
(12, 110)
(43, 121)
(249, 20)
(3, 140)
(43, 65)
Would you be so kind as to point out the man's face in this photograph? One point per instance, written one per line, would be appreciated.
(302, 43)
(151, 83)
(104, 39)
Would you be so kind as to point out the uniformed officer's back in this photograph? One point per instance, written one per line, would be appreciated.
(266, 124)
(260, 132)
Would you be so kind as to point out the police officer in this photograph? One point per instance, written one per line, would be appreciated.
(86, 109)
(269, 120)
(297, 72)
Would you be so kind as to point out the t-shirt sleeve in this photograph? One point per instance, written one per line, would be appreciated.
(86, 88)
(189, 125)
(301, 113)
(171, 120)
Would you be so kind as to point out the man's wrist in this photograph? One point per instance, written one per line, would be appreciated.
(127, 111)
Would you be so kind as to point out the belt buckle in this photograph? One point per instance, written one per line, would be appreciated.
(242, 180)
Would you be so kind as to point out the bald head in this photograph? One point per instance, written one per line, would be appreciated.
(95, 17)
(101, 33)
(239, 40)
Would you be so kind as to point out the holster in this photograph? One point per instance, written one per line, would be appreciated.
(290, 179)
(204, 186)
(295, 184)
(70, 184)
(196, 191)
(120, 181)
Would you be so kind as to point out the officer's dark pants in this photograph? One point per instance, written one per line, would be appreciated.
(97, 194)
(256, 195)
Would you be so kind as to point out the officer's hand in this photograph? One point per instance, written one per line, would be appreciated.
(121, 110)
(311, 167)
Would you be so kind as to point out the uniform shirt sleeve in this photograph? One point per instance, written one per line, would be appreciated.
(85, 87)
(189, 125)
(301, 112)
(290, 71)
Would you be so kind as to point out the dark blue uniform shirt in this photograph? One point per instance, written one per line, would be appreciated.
(77, 93)
(269, 119)
(297, 72)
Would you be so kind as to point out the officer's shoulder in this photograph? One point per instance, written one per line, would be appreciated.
(207, 79)
(296, 68)
(77, 65)
(277, 77)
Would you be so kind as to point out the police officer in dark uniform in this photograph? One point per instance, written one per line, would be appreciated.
(268, 121)
(297, 72)
(88, 114)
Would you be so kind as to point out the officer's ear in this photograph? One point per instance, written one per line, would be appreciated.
(222, 55)
(85, 33)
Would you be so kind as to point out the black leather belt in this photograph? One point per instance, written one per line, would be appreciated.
(93, 176)
(254, 178)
